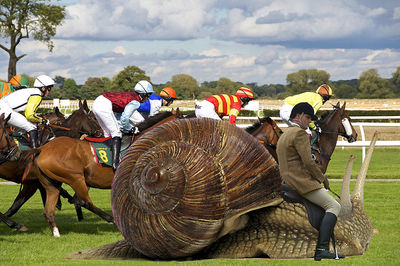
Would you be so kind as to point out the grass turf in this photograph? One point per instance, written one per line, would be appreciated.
(37, 246)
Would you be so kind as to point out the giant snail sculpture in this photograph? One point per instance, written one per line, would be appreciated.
(200, 188)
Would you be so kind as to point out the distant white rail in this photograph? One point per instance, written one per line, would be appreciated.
(360, 143)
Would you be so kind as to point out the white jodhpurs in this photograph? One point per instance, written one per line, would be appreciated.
(206, 109)
(284, 113)
(102, 109)
(16, 119)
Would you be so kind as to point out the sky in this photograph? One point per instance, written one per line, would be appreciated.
(258, 41)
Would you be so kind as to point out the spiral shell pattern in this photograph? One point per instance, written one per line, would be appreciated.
(176, 186)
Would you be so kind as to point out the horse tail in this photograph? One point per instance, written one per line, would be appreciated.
(27, 158)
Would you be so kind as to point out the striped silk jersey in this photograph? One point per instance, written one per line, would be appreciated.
(226, 104)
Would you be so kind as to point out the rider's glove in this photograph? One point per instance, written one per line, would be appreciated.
(134, 130)
(45, 122)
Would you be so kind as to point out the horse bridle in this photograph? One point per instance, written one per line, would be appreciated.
(346, 125)
(10, 151)
(348, 135)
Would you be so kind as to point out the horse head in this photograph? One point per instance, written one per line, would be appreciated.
(82, 122)
(9, 150)
(332, 124)
(55, 117)
(267, 132)
(338, 122)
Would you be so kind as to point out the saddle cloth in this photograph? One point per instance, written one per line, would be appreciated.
(101, 149)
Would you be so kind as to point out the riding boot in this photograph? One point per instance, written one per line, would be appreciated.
(33, 135)
(116, 148)
(325, 232)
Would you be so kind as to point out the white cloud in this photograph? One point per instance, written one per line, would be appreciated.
(120, 50)
(396, 13)
(212, 52)
(248, 41)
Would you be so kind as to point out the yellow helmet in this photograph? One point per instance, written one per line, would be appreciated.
(245, 92)
(324, 90)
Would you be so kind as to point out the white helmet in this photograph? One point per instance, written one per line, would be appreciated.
(43, 81)
(144, 86)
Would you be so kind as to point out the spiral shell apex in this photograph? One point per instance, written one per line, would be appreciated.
(179, 184)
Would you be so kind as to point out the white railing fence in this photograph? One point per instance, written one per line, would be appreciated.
(363, 143)
(67, 107)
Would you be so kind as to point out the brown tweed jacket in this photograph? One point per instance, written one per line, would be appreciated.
(297, 168)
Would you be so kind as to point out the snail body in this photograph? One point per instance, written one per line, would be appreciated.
(186, 183)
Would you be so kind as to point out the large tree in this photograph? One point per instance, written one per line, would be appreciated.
(185, 86)
(127, 78)
(306, 80)
(373, 86)
(20, 19)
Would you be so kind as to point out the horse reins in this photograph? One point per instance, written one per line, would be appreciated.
(59, 127)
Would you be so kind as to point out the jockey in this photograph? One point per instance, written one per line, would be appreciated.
(217, 106)
(153, 105)
(125, 103)
(315, 99)
(27, 100)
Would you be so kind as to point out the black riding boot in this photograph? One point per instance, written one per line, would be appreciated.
(33, 135)
(325, 232)
(116, 148)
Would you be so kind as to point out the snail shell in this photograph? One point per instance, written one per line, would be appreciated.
(177, 187)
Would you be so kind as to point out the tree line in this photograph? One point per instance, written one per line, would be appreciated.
(369, 85)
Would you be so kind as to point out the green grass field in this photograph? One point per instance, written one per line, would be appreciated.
(384, 164)
(37, 246)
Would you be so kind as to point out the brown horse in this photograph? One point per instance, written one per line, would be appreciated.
(71, 161)
(267, 132)
(332, 124)
(9, 153)
(78, 123)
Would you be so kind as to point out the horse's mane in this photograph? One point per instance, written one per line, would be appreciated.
(153, 120)
(326, 115)
(256, 125)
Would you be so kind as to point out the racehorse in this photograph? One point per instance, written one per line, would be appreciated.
(71, 161)
(78, 123)
(332, 124)
(81, 121)
(9, 152)
(267, 132)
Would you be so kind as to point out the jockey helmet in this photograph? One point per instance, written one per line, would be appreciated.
(143, 87)
(245, 92)
(168, 93)
(324, 90)
(44, 81)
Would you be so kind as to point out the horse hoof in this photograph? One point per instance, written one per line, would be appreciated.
(56, 233)
(22, 228)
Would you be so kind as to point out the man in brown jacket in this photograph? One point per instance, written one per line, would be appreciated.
(299, 171)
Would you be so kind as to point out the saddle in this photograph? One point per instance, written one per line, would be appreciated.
(315, 213)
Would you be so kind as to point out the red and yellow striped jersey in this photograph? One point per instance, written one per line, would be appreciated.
(226, 104)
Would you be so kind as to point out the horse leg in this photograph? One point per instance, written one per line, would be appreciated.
(73, 200)
(82, 193)
(12, 224)
(28, 190)
(52, 195)
(78, 208)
